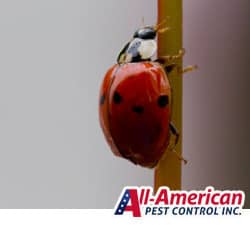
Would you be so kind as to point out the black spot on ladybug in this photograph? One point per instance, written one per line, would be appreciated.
(138, 109)
(117, 98)
(102, 99)
(162, 101)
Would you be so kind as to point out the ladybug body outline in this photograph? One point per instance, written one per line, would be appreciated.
(136, 123)
(135, 101)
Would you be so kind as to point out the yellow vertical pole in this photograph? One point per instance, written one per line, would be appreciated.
(168, 172)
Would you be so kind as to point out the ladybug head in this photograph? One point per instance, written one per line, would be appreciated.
(150, 32)
(145, 33)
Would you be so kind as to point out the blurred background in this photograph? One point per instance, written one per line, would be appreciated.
(53, 56)
(216, 116)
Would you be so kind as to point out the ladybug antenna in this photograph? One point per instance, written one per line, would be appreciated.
(158, 27)
(143, 21)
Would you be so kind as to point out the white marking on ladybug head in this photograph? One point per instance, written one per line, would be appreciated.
(147, 48)
(128, 58)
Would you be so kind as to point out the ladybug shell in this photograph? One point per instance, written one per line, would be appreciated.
(135, 111)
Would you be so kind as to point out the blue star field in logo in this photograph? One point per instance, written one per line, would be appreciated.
(123, 203)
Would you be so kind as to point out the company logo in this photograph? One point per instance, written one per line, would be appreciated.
(141, 201)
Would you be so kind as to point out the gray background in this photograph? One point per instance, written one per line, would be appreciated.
(216, 114)
(53, 55)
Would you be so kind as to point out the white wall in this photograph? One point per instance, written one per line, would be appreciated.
(53, 56)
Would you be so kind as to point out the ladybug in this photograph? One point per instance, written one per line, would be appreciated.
(135, 101)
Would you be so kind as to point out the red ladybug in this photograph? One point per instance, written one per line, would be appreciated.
(135, 111)
(135, 101)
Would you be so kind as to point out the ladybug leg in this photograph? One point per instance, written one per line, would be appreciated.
(175, 132)
(166, 60)
(179, 156)
(186, 69)
(169, 65)
(169, 68)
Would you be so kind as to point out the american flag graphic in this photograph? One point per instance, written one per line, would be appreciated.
(123, 203)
